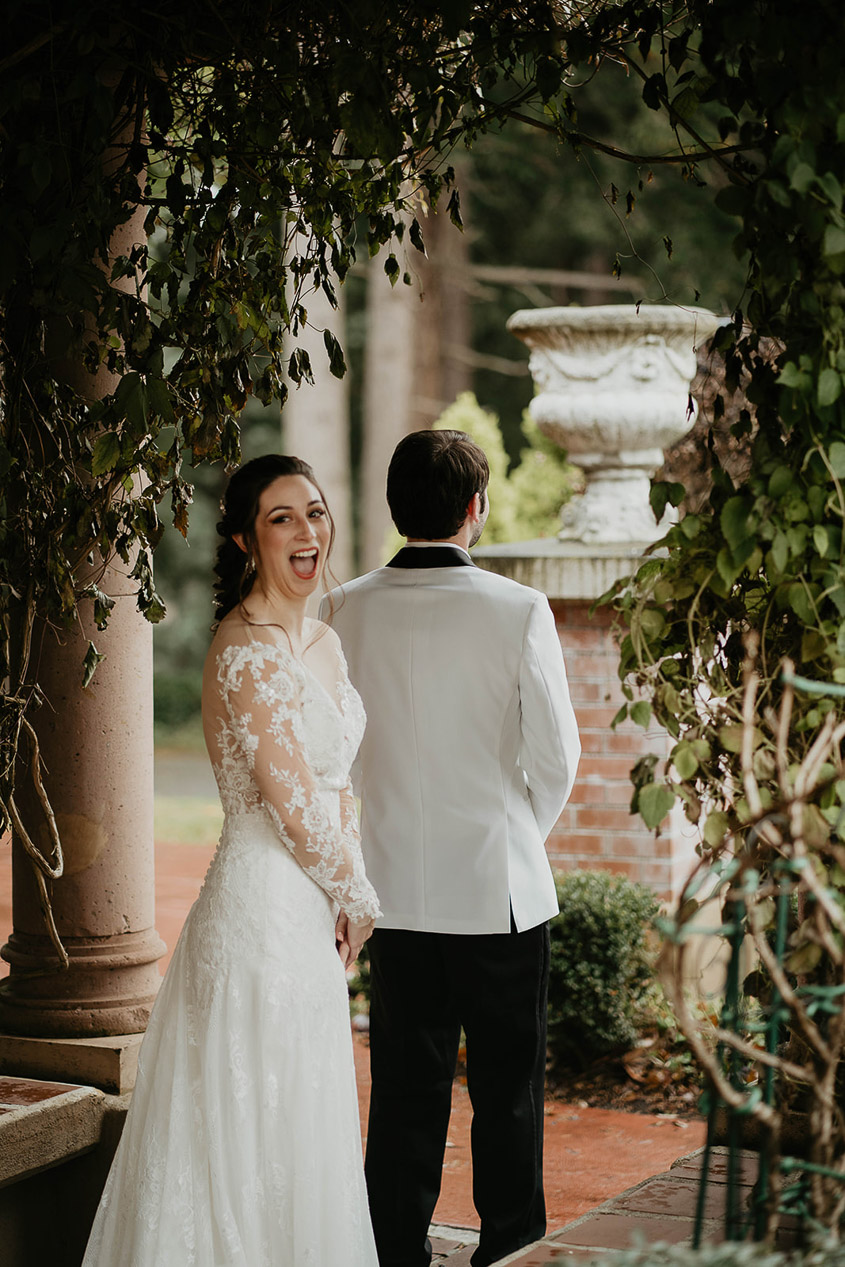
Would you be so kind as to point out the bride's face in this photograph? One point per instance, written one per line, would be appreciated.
(292, 535)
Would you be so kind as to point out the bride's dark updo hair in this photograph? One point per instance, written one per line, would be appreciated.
(234, 568)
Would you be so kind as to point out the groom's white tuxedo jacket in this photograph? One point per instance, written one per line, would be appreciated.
(471, 744)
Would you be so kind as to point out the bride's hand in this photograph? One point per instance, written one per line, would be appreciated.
(350, 937)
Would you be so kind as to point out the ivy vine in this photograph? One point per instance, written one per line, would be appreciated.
(764, 554)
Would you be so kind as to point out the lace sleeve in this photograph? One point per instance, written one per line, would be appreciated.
(349, 820)
(262, 699)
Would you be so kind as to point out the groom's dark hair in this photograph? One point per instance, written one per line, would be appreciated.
(432, 478)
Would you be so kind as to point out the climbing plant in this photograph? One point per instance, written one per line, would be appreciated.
(734, 629)
(764, 552)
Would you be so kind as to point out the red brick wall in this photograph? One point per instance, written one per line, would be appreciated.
(596, 830)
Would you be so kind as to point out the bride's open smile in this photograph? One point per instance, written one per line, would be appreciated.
(292, 536)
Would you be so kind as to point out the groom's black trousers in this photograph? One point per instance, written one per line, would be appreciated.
(425, 987)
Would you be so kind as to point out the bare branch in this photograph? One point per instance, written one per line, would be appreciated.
(640, 160)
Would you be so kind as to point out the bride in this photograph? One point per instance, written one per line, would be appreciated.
(242, 1143)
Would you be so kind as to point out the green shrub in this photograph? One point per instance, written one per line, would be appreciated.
(601, 964)
(358, 982)
(177, 698)
(542, 483)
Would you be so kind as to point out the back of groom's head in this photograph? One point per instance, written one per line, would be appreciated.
(432, 478)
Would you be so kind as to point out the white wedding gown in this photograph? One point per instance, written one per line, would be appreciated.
(242, 1145)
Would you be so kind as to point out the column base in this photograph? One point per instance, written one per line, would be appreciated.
(109, 988)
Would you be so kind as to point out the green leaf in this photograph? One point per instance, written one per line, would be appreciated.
(652, 622)
(337, 364)
(834, 240)
(152, 607)
(662, 493)
(802, 177)
(684, 760)
(641, 713)
(686, 103)
(728, 570)
(415, 234)
(799, 601)
(734, 521)
(453, 207)
(622, 714)
(715, 828)
(780, 551)
(547, 75)
(654, 802)
(654, 91)
(391, 268)
(829, 387)
(836, 457)
(131, 400)
(106, 454)
(792, 376)
(796, 537)
(159, 400)
(730, 737)
(299, 366)
(780, 481)
(89, 665)
(821, 540)
(670, 698)
(829, 185)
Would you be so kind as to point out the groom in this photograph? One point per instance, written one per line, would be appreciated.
(469, 756)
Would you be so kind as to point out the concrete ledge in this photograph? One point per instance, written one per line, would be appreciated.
(562, 569)
(111, 1064)
(44, 1123)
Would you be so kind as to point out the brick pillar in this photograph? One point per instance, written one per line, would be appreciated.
(597, 830)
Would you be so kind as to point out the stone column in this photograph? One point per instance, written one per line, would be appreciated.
(96, 744)
(97, 747)
(388, 384)
(315, 424)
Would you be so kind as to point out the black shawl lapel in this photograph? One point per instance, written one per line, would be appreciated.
(430, 557)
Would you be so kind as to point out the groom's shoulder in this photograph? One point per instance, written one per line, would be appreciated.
(367, 581)
(505, 589)
(336, 598)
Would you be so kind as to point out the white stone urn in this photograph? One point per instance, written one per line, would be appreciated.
(613, 390)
